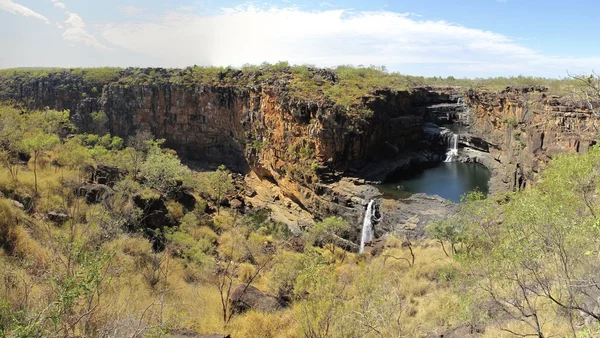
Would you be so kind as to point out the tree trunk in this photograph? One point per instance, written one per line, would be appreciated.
(35, 171)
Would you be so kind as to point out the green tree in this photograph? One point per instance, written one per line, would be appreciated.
(38, 145)
(73, 154)
(538, 261)
(218, 185)
(11, 134)
(328, 232)
(164, 172)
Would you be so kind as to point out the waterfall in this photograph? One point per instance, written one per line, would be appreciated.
(459, 101)
(452, 153)
(367, 229)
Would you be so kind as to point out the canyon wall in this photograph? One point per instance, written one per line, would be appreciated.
(307, 148)
(303, 146)
(523, 128)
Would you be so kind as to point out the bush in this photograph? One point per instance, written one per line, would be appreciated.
(164, 172)
(9, 235)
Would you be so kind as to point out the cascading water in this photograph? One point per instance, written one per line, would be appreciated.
(367, 229)
(452, 153)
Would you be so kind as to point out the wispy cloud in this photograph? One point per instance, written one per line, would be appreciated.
(59, 4)
(15, 8)
(75, 29)
(249, 34)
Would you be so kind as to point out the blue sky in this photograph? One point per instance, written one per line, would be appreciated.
(464, 38)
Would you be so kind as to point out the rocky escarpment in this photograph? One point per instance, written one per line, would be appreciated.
(303, 146)
(523, 128)
(315, 156)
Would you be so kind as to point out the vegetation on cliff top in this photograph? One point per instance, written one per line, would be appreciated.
(346, 86)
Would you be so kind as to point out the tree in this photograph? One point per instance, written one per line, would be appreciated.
(74, 155)
(141, 140)
(460, 229)
(587, 90)
(538, 263)
(38, 145)
(11, 134)
(328, 232)
(243, 245)
(163, 171)
(218, 185)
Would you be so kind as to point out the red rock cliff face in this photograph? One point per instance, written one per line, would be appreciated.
(295, 143)
(300, 145)
(526, 128)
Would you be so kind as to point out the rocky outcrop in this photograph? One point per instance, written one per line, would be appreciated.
(247, 297)
(93, 193)
(310, 157)
(523, 128)
(300, 145)
(104, 174)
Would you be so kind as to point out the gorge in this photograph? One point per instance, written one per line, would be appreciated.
(310, 156)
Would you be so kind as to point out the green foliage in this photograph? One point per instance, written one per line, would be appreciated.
(218, 184)
(543, 239)
(260, 221)
(164, 172)
(258, 145)
(306, 152)
(99, 122)
(328, 231)
(196, 250)
(39, 143)
(73, 154)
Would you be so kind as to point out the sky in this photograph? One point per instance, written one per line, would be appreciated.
(461, 38)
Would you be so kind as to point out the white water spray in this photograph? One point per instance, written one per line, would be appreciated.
(452, 153)
(367, 229)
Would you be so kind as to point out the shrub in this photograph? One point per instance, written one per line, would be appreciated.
(9, 235)
(164, 172)
(246, 272)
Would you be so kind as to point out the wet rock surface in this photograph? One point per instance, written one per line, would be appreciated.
(410, 216)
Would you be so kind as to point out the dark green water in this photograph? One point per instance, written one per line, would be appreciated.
(448, 180)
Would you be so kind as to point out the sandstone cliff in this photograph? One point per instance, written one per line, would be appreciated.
(305, 145)
(523, 128)
(300, 144)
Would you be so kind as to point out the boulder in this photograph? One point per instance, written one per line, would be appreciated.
(17, 204)
(58, 217)
(93, 193)
(185, 197)
(155, 212)
(245, 298)
(236, 204)
(105, 174)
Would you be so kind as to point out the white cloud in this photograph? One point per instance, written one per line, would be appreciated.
(59, 4)
(74, 28)
(248, 34)
(14, 8)
(131, 10)
(75, 31)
